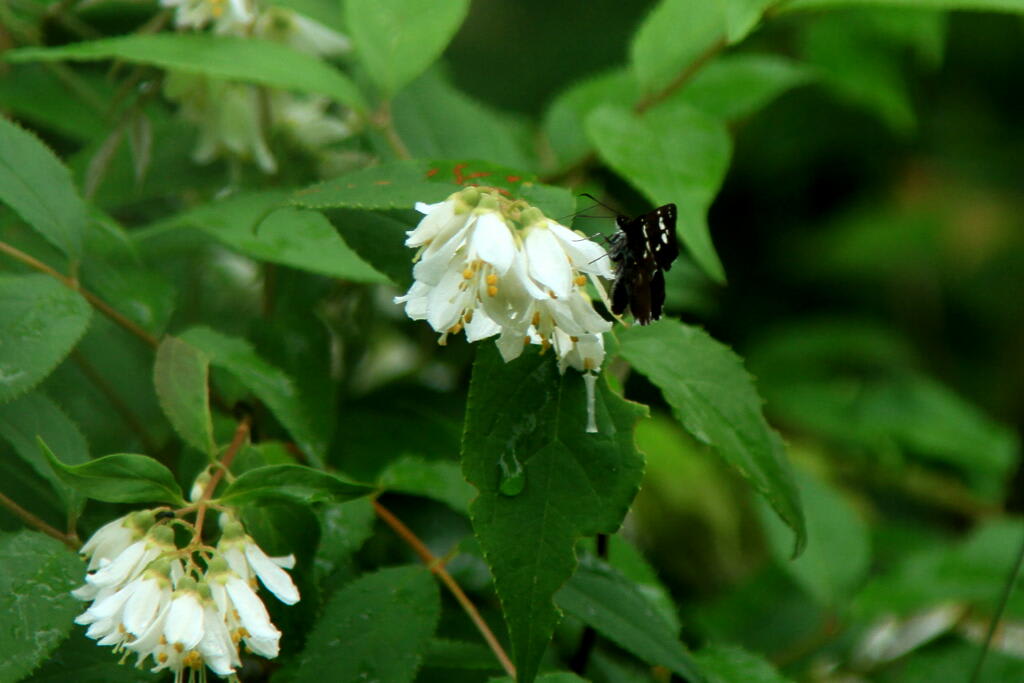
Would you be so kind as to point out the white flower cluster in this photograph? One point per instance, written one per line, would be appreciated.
(494, 266)
(234, 119)
(151, 599)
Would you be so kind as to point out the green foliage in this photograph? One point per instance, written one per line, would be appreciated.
(119, 478)
(398, 39)
(384, 621)
(37, 607)
(38, 187)
(567, 483)
(249, 61)
(714, 399)
(40, 322)
(599, 596)
(232, 192)
(180, 374)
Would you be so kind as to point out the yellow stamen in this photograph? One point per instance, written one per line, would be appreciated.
(526, 340)
(179, 647)
(492, 290)
(456, 328)
(468, 317)
(580, 280)
(536, 319)
(162, 657)
(492, 279)
(588, 364)
(575, 339)
(468, 273)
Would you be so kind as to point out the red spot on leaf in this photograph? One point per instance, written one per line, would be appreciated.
(479, 174)
(432, 172)
(458, 173)
(513, 178)
(382, 182)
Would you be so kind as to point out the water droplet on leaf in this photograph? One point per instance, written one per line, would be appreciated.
(513, 476)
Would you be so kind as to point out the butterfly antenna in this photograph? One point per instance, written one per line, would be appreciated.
(597, 201)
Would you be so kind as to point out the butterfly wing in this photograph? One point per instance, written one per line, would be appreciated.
(647, 247)
(660, 235)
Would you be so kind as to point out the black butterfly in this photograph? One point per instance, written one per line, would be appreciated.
(642, 249)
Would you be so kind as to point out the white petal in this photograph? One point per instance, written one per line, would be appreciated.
(184, 623)
(481, 326)
(511, 344)
(437, 260)
(585, 255)
(216, 647)
(121, 567)
(235, 558)
(492, 242)
(526, 285)
(548, 263)
(251, 611)
(415, 300)
(437, 217)
(271, 575)
(284, 561)
(447, 301)
(144, 605)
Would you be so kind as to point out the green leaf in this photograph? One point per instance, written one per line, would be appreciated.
(458, 654)
(119, 478)
(674, 153)
(263, 226)
(672, 37)
(438, 121)
(602, 598)
(181, 373)
(439, 480)
(41, 320)
(38, 187)
(550, 677)
(36, 607)
(385, 621)
(627, 559)
(269, 383)
(293, 483)
(249, 60)
(742, 16)
(715, 400)
(396, 40)
(736, 86)
(395, 185)
(730, 664)
(90, 663)
(1015, 6)
(559, 483)
(33, 416)
(36, 95)
(838, 552)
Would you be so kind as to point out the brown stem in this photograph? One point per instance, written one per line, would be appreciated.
(97, 303)
(382, 118)
(682, 78)
(241, 432)
(436, 565)
(39, 524)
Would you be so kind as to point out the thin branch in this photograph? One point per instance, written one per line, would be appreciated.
(39, 524)
(682, 78)
(578, 662)
(1011, 581)
(436, 565)
(241, 433)
(97, 303)
(382, 119)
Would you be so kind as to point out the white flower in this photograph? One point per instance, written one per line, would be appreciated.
(247, 560)
(306, 121)
(114, 537)
(230, 17)
(301, 33)
(495, 266)
(126, 566)
(243, 611)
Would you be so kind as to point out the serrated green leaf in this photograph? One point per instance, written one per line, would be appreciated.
(36, 95)
(714, 398)
(742, 16)
(616, 608)
(456, 654)
(674, 153)
(38, 187)
(838, 551)
(249, 60)
(673, 36)
(119, 478)
(41, 320)
(383, 620)
(439, 480)
(736, 86)
(396, 40)
(90, 663)
(269, 383)
(438, 121)
(729, 664)
(560, 483)
(180, 375)
(33, 416)
(293, 483)
(263, 226)
(36, 607)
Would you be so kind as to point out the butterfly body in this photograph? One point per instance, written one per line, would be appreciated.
(642, 249)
